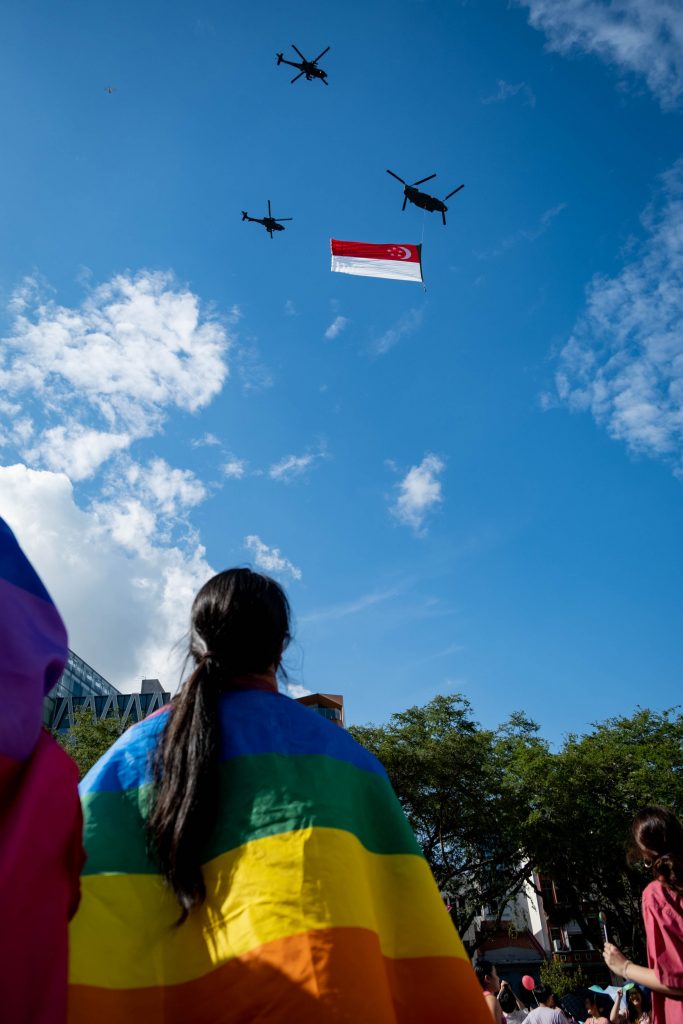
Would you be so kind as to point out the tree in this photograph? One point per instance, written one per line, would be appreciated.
(562, 979)
(89, 738)
(488, 807)
(450, 777)
(581, 802)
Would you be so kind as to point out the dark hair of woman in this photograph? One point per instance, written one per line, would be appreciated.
(483, 969)
(637, 1003)
(657, 840)
(508, 1003)
(543, 993)
(240, 626)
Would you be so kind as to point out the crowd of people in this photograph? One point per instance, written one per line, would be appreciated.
(236, 858)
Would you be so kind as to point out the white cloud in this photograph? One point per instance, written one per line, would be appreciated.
(124, 595)
(290, 308)
(297, 690)
(73, 449)
(640, 36)
(524, 234)
(234, 468)
(624, 359)
(105, 373)
(292, 466)
(341, 611)
(206, 441)
(506, 90)
(270, 559)
(419, 492)
(336, 327)
(167, 489)
(406, 325)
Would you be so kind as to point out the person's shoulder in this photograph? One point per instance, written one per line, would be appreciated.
(654, 895)
(128, 762)
(264, 722)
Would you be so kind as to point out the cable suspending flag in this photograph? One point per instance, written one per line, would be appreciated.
(401, 262)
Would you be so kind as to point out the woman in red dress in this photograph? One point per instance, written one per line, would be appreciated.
(658, 841)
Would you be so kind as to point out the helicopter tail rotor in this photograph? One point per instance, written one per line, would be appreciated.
(280, 57)
(245, 215)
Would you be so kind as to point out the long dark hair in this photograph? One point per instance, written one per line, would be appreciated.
(240, 625)
(657, 839)
(645, 1004)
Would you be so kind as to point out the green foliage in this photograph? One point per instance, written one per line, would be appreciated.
(451, 778)
(562, 979)
(89, 738)
(489, 806)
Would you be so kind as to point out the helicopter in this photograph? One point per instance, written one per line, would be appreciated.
(306, 67)
(426, 202)
(110, 89)
(270, 223)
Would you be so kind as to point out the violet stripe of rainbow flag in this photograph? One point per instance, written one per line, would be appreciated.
(33, 649)
(319, 904)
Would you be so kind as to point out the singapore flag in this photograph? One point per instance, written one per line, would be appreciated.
(400, 262)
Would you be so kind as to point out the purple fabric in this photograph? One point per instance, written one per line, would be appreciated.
(33, 649)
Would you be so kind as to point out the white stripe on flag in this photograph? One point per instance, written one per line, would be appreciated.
(399, 270)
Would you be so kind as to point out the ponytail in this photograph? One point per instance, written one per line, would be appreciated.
(240, 625)
(185, 773)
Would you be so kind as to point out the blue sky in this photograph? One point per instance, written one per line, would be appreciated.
(473, 489)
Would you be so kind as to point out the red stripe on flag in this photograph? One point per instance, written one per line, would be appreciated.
(400, 252)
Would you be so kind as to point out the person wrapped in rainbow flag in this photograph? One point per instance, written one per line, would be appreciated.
(41, 850)
(249, 861)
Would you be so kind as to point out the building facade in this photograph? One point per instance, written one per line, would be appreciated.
(81, 687)
(329, 705)
(535, 927)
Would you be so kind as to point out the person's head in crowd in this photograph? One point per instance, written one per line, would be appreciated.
(487, 974)
(598, 1006)
(637, 1003)
(657, 841)
(239, 628)
(508, 1003)
(543, 995)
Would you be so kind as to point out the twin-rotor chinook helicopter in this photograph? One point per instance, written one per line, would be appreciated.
(411, 193)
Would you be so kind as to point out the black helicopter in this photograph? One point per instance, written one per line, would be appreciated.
(306, 67)
(413, 195)
(270, 223)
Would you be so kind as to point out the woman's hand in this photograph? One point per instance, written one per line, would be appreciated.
(614, 958)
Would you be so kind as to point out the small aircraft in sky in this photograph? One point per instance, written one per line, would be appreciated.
(308, 68)
(110, 89)
(412, 194)
(270, 223)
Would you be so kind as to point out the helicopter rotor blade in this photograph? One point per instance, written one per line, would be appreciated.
(405, 200)
(269, 213)
(278, 219)
(396, 176)
(296, 77)
(324, 81)
(320, 55)
(422, 180)
(453, 192)
(298, 51)
(443, 217)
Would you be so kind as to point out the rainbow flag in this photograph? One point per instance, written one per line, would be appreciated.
(40, 815)
(320, 905)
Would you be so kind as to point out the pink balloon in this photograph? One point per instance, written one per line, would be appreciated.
(528, 982)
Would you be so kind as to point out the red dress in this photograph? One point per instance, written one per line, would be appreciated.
(663, 917)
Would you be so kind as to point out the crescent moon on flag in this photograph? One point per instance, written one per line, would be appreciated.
(406, 252)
